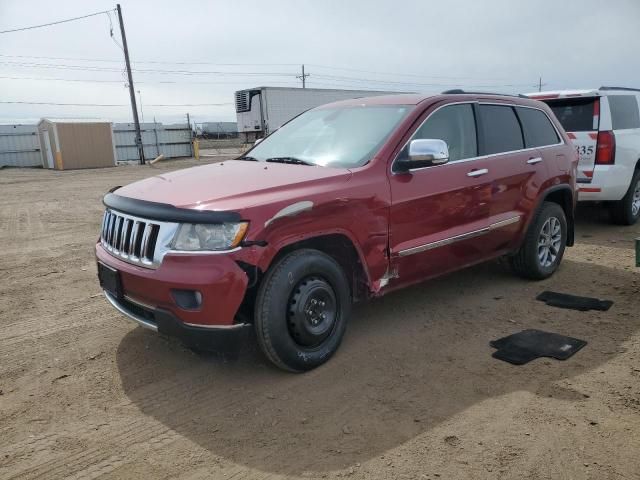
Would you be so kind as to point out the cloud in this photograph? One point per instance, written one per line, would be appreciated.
(417, 46)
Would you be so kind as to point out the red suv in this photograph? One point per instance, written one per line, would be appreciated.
(347, 201)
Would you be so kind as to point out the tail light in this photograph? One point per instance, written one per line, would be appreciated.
(606, 148)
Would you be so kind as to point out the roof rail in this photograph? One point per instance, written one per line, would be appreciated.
(459, 91)
(620, 88)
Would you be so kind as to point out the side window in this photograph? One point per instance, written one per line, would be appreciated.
(455, 124)
(501, 129)
(624, 111)
(537, 128)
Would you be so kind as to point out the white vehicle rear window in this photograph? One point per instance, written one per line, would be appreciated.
(576, 114)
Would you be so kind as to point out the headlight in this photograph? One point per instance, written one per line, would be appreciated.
(223, 236)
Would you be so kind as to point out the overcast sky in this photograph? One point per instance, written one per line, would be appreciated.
(401, 45)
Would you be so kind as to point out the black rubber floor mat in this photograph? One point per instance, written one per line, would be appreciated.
(528, 345)
(564, 300)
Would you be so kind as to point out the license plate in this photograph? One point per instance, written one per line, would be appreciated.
(110, 280)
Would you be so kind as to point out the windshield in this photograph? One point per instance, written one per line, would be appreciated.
(337, 137)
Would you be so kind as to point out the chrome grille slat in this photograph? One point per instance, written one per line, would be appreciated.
(144, 245)
(136, 240)
(112, 221)
(105, 220)
(123, 235)
(132, 240)
(116, 234)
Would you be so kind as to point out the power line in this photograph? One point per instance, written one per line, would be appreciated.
(335, 78)
(149, 82)
(397, 74)
(93, 68)
(54, 23)
(163, 62)
(115, 105)
(338, 78)
(400, 74)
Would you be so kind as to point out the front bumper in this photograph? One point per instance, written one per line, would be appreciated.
(218, 278)
(221, 339)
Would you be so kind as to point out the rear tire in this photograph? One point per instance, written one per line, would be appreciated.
(543, 247)
(302, 309)
(627, 210)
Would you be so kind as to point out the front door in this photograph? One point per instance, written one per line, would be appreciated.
(439, 213)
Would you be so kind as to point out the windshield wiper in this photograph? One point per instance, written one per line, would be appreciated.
(289, 160)
(247, 158)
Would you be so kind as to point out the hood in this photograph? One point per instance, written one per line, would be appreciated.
(234, 184)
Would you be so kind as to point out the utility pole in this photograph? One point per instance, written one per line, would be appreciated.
(190, 135)
(132, 92)
(540, 84)
(303, 77)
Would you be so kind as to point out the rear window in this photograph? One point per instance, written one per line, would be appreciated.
(624, 111)
(501, 129)
(576, 114)
(537, 128)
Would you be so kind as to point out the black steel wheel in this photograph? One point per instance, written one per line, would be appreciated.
(302, 309)
(312, 311)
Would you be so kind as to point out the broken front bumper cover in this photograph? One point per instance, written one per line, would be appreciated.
(225, 338)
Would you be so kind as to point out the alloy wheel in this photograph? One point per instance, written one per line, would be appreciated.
(549, 242)
(635, 200)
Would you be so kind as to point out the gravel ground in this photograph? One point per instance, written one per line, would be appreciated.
(413, 392)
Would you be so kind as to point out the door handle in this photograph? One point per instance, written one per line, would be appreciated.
(478, 173)
(533, 161)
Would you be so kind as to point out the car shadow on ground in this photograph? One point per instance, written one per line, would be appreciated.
(409, 362)
(590, 220)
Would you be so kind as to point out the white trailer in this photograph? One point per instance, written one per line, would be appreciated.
(262, 110)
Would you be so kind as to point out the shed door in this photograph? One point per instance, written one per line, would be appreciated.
(47, 149)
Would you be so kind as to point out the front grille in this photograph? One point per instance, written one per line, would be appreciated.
(130, 238)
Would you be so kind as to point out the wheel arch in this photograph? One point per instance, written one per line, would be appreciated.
(564, 196)
(340, 247)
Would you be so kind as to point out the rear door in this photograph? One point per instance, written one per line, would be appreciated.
(580, 117)
(517, 167)
(525, 149)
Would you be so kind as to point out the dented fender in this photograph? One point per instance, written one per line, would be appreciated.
(356, 210)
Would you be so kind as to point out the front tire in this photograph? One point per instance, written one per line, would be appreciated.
(302, 309)
(543, 247)
(627, 210)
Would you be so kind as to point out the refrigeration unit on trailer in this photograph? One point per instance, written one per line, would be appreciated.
(262, 110)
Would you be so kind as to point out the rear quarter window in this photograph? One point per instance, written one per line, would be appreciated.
(576, 114)
(501, 130)
(624, 111)
(537, 128)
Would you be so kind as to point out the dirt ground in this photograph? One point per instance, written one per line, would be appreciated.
(413, 392)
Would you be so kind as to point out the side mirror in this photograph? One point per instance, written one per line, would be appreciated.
(424, 153)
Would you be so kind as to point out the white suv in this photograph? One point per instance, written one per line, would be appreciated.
(604, 125)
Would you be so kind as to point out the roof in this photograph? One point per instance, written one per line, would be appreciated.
(73, 120)
(415, 99)
(591, 92)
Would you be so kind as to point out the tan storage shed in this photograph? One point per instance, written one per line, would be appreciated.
(70, 145)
